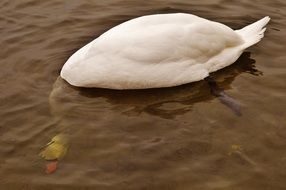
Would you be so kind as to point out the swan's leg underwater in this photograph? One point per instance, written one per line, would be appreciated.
(222, 96)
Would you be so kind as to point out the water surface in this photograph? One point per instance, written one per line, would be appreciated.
(174, 138)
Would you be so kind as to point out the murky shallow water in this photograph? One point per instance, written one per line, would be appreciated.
(174, 138)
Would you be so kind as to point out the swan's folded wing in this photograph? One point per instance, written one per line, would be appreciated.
(150, 54)
(168, 42)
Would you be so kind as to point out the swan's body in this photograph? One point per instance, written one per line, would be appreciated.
(159, 51)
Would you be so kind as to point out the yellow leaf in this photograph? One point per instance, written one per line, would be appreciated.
(56, 149)
(235, 148)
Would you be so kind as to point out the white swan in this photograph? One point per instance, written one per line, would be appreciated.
(161, 50)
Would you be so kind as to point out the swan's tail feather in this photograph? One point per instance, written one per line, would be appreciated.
(253, 33)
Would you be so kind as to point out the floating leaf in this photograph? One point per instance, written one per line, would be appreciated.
(56, 149)
(235, 148)
(51, 167)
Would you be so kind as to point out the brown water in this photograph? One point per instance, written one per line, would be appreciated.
(178, 138)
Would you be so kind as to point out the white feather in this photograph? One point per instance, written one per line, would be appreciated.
(158, 51)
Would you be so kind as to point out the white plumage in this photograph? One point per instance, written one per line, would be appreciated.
(161, 50)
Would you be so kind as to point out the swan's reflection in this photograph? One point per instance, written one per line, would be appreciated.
(165, 103)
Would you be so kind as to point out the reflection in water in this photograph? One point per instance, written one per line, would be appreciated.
(165, 102)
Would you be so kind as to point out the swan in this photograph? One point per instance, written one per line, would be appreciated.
(161, 50)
